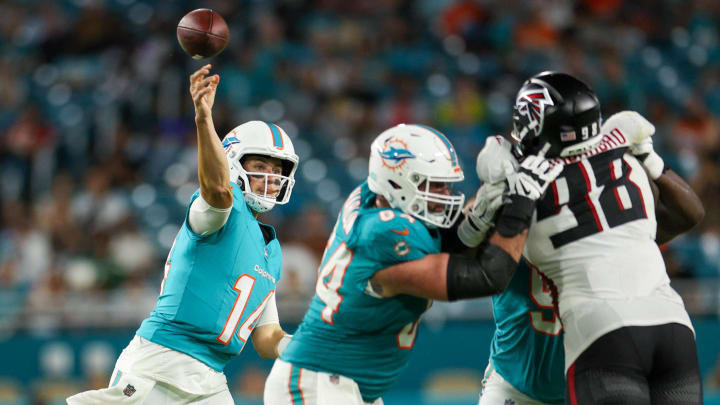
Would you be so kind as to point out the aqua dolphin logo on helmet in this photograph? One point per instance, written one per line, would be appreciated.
(395, 153)
(229, 141)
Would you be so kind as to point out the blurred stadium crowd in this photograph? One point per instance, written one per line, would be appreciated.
(97, 141)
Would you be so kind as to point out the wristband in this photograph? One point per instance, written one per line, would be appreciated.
(654, 164)
(282, 344)
(516, 216)
(470, 232)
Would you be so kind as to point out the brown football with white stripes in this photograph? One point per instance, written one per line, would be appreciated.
(203, 33)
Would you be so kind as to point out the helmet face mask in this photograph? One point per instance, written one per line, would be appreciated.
(557, 115)
(408, 163)
(265, 199)
(264, 140)
(436, 209)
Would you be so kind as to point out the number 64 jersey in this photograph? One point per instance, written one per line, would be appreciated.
(348, 329)
(594, 237)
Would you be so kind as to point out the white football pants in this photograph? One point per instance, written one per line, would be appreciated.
(292, 385)
(496, 391)
(150, 374)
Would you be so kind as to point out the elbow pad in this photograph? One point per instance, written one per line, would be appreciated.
(487, 274)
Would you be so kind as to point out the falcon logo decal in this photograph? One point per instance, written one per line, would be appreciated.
(531, 103)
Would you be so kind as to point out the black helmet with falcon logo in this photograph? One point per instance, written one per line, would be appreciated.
(555, 114)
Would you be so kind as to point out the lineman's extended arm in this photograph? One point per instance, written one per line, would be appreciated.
(678, 208)
(452, 276)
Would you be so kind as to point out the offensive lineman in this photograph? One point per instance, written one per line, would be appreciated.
(382, 266)
(219, 282)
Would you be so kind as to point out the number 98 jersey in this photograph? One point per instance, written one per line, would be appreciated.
(348, 329)
(594, 237)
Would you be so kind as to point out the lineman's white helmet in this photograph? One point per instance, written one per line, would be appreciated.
(266, 139)
(408, 156)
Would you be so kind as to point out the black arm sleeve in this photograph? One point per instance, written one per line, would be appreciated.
(488, 273)
(450, 242)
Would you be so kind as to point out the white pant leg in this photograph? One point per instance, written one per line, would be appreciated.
(496, 391)
(285, 387)
(133, 390)
(163, 394)
(147, 373)
(291, 385)
(128, 389)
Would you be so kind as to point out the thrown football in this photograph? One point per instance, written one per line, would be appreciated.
(203, 33)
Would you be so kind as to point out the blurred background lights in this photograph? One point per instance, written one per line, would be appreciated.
(167, 234)
(143, 195)
(272, 110)
(438, 85)
(314, 170)
(327, 190)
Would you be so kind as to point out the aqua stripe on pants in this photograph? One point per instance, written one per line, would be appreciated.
(295, 393)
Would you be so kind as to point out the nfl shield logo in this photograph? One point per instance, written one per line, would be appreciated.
(129, 390)
(509, 402)
(335, 379)
(567, 136)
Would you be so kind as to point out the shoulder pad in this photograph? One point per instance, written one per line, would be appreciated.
(390, 220)
(391, 235)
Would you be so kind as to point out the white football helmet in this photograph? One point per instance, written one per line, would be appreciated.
(266, 139)
(408, 156)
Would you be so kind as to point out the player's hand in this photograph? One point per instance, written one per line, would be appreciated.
(639, 132)
(495, 162)
(533, 177)
(481, 216)
(202, 90)
(634, 126)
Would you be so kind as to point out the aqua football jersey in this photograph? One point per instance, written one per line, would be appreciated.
(349, 330)
(527, 348)
(215, 287)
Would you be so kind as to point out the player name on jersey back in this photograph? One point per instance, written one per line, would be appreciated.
(594, 237)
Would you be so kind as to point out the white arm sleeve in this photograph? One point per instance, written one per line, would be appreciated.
(205, 219)
(270, 313)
